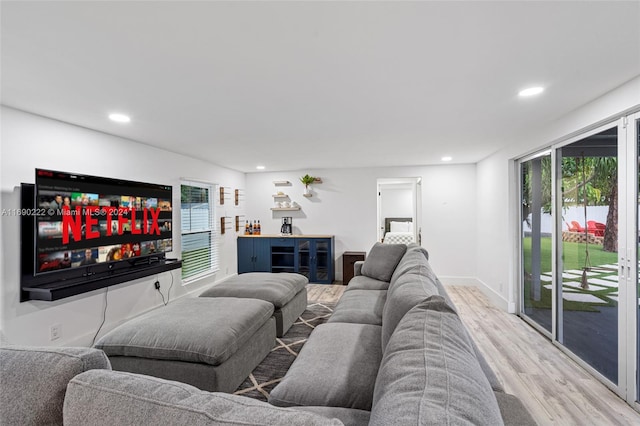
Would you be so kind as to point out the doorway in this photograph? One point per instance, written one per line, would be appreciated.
(399, 210)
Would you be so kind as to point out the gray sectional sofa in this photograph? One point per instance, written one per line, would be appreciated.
(395, 347)
(394, 352)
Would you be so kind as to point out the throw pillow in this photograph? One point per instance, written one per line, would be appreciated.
(382, 260)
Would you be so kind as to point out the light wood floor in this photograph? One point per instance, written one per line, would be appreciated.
(324, 293)
(555, 389)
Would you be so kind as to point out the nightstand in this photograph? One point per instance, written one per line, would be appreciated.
(348, 259)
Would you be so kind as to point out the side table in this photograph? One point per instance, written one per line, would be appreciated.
(348, 259)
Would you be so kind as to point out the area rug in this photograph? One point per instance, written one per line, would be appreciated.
(273, 368)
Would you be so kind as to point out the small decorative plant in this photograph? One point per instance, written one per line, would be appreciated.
(307, 180)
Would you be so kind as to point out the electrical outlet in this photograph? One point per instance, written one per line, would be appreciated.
(56, 331)
(157, 284)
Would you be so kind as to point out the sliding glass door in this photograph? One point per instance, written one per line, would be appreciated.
(536, 234)
(587, 279)
(579, 238)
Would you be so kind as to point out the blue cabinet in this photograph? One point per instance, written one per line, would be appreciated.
(315, 259)
(254, 255)
(309, 256)
(283, 255)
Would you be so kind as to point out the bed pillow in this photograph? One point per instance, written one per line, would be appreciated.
(382, 260)
(398, 226)
(409, 226)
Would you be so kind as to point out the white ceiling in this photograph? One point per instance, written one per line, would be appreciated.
(304, 85)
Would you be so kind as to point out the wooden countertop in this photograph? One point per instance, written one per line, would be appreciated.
(285, 236)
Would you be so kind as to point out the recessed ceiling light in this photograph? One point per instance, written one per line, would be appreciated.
(120, 118)
(260, 167)
(531, 91)
(447, 158)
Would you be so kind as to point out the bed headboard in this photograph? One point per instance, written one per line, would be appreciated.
(388, 220)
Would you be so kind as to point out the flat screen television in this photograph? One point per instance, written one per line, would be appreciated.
(88, 226)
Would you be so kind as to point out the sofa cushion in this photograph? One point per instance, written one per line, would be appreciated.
(360, 306)
(418, 247)
(429, 373)
(119, 398)
(362, 282)
(443, 292)
(414, 259)
(410, 290)
(278, 289)
(496, 384)
(34, 381)
(196, 329)
(382, 260)
(337, 367)
(348, 416)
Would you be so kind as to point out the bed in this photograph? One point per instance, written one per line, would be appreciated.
(398, 230)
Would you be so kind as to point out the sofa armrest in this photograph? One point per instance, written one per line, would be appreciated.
(357, 268)
(34, 380)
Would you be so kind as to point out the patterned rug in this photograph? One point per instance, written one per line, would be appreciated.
(273, 368)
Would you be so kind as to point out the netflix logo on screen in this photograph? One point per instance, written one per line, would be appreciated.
(83, 222)
(89, 220)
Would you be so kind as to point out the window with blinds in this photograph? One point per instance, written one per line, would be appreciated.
(199, 251)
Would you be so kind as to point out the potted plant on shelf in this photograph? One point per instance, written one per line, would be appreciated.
(307, 180)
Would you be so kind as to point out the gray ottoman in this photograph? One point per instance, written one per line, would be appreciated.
(210, 343)
(286, 291)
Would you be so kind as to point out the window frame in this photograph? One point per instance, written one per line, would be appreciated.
(211, 229)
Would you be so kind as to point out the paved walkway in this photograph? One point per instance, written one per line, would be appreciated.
(602, 288)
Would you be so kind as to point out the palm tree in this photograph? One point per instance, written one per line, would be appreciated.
(606, 168)
(594, 181)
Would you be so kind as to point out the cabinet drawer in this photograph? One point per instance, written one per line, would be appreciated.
(282, 242)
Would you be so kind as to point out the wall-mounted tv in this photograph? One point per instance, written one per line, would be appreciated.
(89, 228)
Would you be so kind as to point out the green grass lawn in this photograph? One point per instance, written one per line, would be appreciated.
(573, 255)
(193, 261)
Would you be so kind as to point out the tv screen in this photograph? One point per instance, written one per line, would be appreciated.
(88, 220)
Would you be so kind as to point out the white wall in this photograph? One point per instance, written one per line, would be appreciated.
(30, 141)
(396, 202)
(496, 251)
(344, 205)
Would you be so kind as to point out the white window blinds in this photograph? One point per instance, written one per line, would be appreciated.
(199, 248)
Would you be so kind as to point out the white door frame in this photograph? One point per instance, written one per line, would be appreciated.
(416, 213)
(628, 254)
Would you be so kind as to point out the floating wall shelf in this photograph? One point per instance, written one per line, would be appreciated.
(281, 182)
(239, 194)
(225, 193)
(285, 208)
